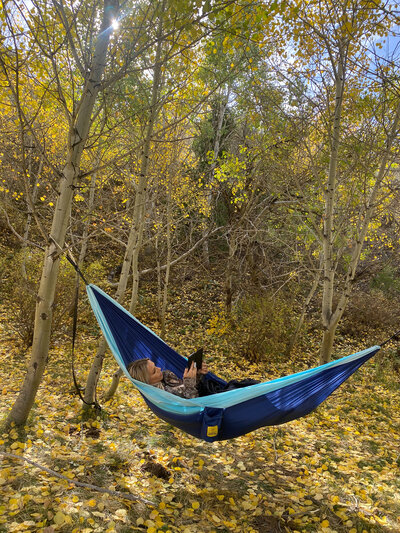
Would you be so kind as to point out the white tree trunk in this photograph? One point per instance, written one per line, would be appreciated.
(164, 301)
(329, 332)
(29, 218)
(140, 198)
(77, 138)
(328, 238)
(131, 257)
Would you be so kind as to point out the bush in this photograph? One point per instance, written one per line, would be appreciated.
(259, 327)
(19, 292)
(369, 313)
(387, 281)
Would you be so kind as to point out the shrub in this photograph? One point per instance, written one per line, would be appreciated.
(259, 327)
(20, 289)
(387, 281)
(368, 313)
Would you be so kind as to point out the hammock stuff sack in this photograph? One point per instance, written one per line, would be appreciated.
(228, 414)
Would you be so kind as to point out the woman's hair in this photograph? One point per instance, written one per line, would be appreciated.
(138, 370)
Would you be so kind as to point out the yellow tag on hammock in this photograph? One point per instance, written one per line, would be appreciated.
(212, 431)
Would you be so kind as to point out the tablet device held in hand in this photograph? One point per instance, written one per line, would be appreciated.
(196, 357)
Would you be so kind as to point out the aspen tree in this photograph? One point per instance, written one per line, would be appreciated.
(77, 136)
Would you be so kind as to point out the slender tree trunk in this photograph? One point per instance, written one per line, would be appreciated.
(229, 288)
(114, 384)
(28, 142)
(300, 322)
(91, 382)
(328, 323)
(164, 302)
(217, 146)
(159, 277)
(140, 197)
(76, 141)
(131, 258)
(85, 233)
(29, 218)
(329, 333)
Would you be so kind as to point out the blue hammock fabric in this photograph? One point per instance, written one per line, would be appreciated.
(228, 414)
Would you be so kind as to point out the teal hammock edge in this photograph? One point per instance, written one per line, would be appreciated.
(181, 406)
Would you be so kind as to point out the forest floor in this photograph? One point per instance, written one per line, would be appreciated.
(336, 470)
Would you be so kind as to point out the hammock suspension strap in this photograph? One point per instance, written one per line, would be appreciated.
(78, 388)
(394, 337)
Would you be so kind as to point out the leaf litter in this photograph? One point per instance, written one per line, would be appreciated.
(335, 470)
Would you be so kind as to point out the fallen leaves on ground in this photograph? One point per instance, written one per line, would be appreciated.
(333, 471)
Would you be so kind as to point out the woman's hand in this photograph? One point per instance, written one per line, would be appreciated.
(190, 372)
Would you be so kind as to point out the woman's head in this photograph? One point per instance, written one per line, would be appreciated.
(146, 371)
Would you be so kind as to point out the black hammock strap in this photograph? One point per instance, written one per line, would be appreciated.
(394, 337)
(78, 271)
(74, 330)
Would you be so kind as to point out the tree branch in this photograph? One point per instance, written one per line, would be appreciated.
(117, 494)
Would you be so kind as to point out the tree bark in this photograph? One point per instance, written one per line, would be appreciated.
(29, 218)
(77, 138)
(91, 382)
(140, 197)
(164, 296)
(216, 149)
(300, 322)
(328, 238)
(335, 317)
(131, 257)
(229, 283)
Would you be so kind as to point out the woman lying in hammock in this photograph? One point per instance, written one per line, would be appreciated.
(146, 371)
(191, 386)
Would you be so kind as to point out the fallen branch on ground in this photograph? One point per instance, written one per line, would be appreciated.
(115, 493)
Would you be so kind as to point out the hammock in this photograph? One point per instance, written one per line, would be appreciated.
(228, 414)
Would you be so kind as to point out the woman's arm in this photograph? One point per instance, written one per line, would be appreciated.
(185, 388)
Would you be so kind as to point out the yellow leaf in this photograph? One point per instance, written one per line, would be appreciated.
(59, 518)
